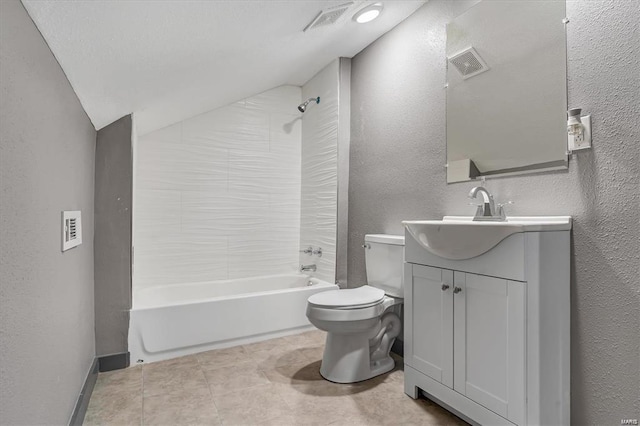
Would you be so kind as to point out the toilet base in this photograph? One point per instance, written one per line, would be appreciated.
(349, 358)
(383, 366)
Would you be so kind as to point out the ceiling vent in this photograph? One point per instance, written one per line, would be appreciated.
(328, 16)
(468, 63)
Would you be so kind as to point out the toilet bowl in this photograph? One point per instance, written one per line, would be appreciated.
(360, 322)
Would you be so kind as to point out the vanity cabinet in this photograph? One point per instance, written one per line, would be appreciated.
(488, 337)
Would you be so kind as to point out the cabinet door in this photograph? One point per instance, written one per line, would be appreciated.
(489, 346)
(429, 321)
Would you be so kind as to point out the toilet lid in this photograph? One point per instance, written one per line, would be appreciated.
(348, 298)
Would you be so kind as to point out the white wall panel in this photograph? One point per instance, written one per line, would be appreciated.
(161, 210)
(218, 195)
(172, 165)
(233, 126)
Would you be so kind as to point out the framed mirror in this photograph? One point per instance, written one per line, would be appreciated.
(506, 89)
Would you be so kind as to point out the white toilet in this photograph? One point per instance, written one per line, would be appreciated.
(360, 323)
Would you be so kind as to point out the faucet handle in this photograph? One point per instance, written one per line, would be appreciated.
(500, 208)
(308, 250)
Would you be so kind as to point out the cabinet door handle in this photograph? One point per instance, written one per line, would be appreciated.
(445, 287)
(457, 290)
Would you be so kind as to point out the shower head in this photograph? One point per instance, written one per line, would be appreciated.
(303, 106)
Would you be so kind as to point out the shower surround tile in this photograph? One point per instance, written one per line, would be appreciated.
(284, 99)
(211, 215)
(183, 260)
(233, 126)
(234, 193)
(182, 166)
(218, 195)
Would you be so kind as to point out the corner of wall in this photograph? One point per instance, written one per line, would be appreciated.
(112, 240)
(344, 140)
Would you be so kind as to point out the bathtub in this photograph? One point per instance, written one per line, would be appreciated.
(181, 319)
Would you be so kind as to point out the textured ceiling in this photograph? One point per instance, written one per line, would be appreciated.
(166, 60)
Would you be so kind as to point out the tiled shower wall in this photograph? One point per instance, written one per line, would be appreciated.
(218, 195)
(320, 171)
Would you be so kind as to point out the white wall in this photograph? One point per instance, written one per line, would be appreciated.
(218, 195)
(319, 170)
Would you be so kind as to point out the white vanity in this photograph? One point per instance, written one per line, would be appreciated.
(487, 317)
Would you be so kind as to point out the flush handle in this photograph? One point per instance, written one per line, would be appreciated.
(457, 290)
(445, 287)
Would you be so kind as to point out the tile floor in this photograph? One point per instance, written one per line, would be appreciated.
(275, 382)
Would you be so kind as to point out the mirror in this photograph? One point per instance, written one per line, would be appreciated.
(506, 89)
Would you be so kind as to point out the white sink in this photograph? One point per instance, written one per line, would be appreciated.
(459, 237)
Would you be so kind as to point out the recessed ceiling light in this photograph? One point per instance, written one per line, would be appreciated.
(368, 14)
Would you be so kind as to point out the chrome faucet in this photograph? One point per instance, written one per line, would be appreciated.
(487, 210)
(311, 251)
(307, 268)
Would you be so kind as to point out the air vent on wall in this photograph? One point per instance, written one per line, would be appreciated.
(468, 63)
(71, 229)
(328, 16)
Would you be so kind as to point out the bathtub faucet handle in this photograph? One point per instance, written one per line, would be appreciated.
(308, 250)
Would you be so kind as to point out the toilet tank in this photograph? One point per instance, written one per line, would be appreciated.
(384, 257)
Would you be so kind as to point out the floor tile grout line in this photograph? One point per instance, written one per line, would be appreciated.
(213, 400)
(261, 385)
(142, 396)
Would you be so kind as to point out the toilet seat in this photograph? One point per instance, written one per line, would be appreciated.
(357, 313)
(352, 298)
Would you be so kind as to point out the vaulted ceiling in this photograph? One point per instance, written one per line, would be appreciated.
(166, 60)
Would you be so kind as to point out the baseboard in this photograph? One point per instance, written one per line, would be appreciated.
(85, 395)
(114, 362)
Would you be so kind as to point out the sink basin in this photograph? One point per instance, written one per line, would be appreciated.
(459, 237)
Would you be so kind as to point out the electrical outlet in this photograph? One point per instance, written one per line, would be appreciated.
(583, 140)
(578, 140)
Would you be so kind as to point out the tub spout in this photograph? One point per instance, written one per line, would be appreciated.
(308, 268)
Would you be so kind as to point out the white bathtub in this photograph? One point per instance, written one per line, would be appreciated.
(182, 319)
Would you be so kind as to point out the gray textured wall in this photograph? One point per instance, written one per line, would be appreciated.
(344, 135)
(112, 245)
(397, 172)
(47, 148)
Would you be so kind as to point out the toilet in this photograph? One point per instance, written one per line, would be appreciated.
(360, 323)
